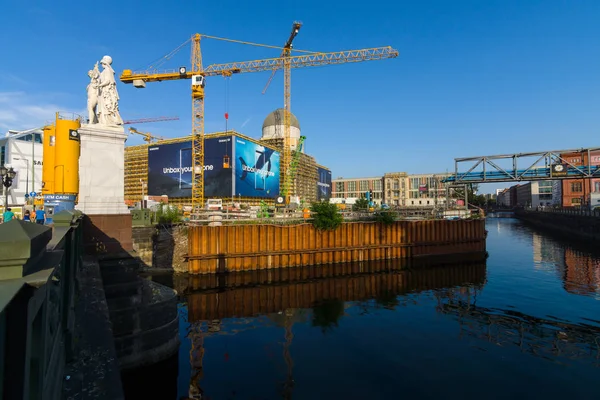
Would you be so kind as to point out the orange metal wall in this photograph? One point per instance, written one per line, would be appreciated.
(250, 247)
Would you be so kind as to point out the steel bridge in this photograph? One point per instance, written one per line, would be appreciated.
(547, 165)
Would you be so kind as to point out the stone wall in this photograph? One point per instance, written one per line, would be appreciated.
(162, 246)
(143, 243)
(583, 227)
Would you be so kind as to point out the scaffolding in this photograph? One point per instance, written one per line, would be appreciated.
(136, 171)
(307, 174)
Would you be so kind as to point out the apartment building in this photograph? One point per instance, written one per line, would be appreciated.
(395, 189)
(575, 191)
(395, 185)
(425, 190)
(346, 188)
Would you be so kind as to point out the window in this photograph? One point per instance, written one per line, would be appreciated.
(576, 187)
(352, 186)
(27, 138)
(546, 196)
(412, 202)
(3, 155)
(396, 185)
(339, 187)
(576, 201)
(596, 186)
(364, 186)
(377, 185)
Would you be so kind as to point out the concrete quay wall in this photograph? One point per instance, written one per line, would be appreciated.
(583, 226)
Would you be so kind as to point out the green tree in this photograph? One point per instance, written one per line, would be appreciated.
(326, 216)
(360, 205)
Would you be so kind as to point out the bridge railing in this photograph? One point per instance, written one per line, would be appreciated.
(38, 277)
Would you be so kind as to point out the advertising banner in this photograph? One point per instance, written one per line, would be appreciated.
(256, 170)
(218, 180)
(323, 184)
(170, 169)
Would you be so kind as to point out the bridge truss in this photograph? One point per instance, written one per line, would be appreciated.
(537, 166)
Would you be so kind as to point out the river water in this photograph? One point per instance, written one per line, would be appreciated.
(523, 325)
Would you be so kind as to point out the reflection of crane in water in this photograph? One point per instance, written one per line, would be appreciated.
(539, 337)
(288, 386)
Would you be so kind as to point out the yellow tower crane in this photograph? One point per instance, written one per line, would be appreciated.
(198, 75)
(148, 137)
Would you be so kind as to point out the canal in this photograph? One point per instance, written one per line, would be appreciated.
(526, 324)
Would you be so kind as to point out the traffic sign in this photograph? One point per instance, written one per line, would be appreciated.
(26, 195)
(32, 194)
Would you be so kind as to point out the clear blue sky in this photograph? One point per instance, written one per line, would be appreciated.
(473, 77)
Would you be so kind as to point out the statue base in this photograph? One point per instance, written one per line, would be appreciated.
(108, 221)
(102, 170)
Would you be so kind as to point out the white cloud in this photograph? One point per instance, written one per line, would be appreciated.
(20, 110)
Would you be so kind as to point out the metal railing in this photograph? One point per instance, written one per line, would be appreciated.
(37, 318)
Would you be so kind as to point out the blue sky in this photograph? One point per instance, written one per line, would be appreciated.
(473, 77)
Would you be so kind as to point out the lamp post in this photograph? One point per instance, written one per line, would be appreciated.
(27, 180)
(7, 175)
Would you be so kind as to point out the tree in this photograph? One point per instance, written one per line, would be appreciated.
(326, 216)
(361, 204)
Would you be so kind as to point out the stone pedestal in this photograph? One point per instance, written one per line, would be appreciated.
(102, 170)
(101, 189)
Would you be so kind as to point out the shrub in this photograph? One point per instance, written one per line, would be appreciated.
(326, 216)
(385, 217)
(166, 214)
(361, 204)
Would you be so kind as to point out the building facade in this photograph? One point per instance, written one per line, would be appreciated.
(24, 153)
(394, 188)
(426, 190)
(349, 188)
(575, 192)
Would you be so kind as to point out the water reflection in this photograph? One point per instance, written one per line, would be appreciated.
(575, 263)
(318, 297)
(551, 339)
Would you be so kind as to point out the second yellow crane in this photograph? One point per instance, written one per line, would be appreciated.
(198, 75)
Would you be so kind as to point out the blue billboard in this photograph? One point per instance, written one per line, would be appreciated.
(323, 184)
(170, 168)
(256, 170)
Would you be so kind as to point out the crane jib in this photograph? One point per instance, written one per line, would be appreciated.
(317, 59)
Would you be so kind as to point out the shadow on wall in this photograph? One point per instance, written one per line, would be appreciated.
(143, 313)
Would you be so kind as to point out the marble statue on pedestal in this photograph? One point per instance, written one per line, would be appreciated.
(103, 98)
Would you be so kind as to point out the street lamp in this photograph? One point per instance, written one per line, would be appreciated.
(7, 176)
(27, 181)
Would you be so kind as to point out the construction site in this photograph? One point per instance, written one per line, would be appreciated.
(197, 168)
(228, 158)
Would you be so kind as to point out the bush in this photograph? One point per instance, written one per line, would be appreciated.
(360, 205)
(326, 216)
(166, 214)
(385, 217)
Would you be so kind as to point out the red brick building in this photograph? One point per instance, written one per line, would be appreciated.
(576, 191)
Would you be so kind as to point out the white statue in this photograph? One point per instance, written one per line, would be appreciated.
(108, 101)
(92, 92)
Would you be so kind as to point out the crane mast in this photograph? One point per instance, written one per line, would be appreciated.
(285, 177)
(197, 126)
(198, 75)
